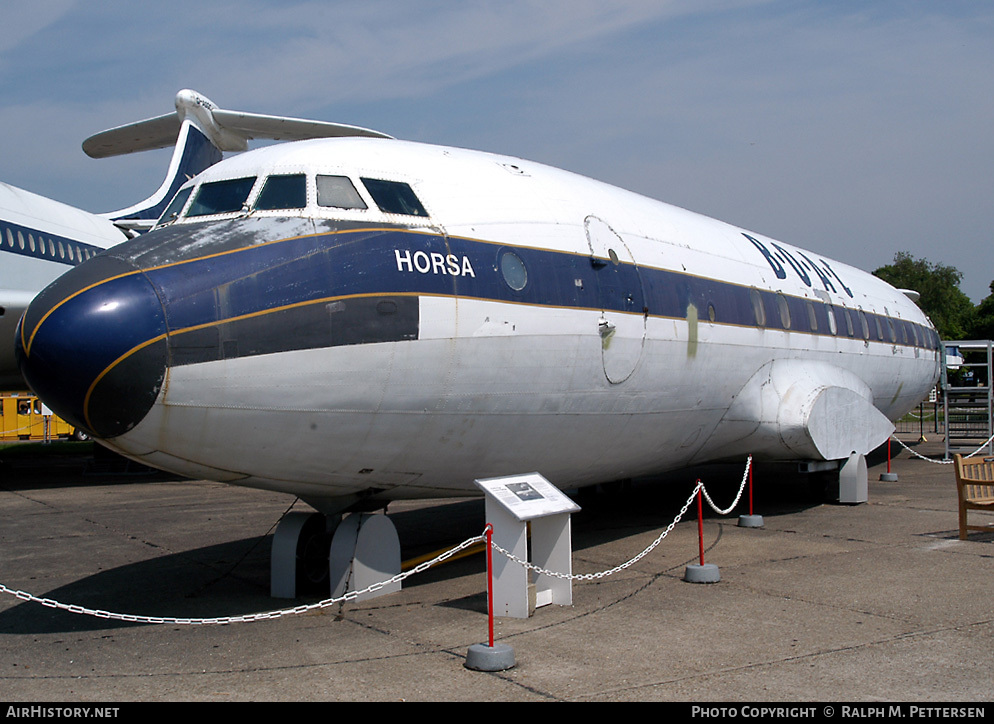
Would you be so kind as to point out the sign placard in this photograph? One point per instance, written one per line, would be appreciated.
(528, 496)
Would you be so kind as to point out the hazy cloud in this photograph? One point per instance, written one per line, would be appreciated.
(856, 130)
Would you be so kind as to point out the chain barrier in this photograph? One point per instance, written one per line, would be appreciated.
(742, 485)
(266, 615)
(601, 574)
(420, 568)
(353, 595)
(942, 462)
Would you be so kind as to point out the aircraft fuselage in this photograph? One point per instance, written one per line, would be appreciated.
(449, 315)
(39, 240)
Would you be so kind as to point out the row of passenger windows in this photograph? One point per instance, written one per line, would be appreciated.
(869, 326)
(515, 275)
(289, 192)
(46, 247)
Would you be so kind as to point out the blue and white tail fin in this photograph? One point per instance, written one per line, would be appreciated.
(201, 133)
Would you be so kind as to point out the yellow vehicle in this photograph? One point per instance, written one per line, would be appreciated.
(24, 417)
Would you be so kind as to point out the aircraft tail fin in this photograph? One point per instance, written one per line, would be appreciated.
(201, 133)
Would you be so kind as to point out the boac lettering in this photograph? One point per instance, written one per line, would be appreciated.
(782, 257)
(777, 267)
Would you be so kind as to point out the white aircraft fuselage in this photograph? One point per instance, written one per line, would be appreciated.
(368, 318)
(40, 239)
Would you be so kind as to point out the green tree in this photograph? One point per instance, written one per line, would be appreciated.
(983, 322)
(950, 310)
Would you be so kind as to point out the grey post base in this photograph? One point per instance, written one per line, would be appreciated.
(481, 657)
(706, 573)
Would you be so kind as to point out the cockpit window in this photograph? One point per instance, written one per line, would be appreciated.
(394, 197)
(338, 192)
(175, 206)
(221, 197)
(283, 192)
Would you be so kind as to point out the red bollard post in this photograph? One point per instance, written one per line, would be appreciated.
(700, 522)
(750, 486)
(704, 572)
(488, 657)
(888, 477)
(490, 582)
(750, 521)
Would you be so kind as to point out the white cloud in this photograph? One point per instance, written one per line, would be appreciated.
(859, 130)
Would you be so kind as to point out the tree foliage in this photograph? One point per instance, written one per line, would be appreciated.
(950, 310)
(983, 323)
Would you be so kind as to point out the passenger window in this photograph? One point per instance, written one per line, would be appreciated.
(338, 192)
(513, 270)
(283, 192)
(759, 312)
(221, 197)
(394, 197)
(784, 311)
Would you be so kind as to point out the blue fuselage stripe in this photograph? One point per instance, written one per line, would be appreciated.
(293, 273)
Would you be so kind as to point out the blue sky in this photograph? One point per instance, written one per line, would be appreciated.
(854, 129)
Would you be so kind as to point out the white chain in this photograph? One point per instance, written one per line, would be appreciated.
(640, 556)
(616, 569)
(349, 596)
(745, 476)
(942, 462)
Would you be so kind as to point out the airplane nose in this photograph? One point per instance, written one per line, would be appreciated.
(92, 346)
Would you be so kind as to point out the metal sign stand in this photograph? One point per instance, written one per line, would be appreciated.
(513, 505)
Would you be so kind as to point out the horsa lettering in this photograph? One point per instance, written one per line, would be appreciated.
(433, 262)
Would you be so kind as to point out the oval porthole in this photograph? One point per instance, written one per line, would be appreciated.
(711, 312)
(759, 312)
(513, 270)
(784, 311)
(812, 317)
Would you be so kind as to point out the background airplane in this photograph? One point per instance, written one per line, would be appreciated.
(41, 238)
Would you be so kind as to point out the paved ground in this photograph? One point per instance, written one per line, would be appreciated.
(874, 602)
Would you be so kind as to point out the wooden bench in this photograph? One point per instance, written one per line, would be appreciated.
(975, 488)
